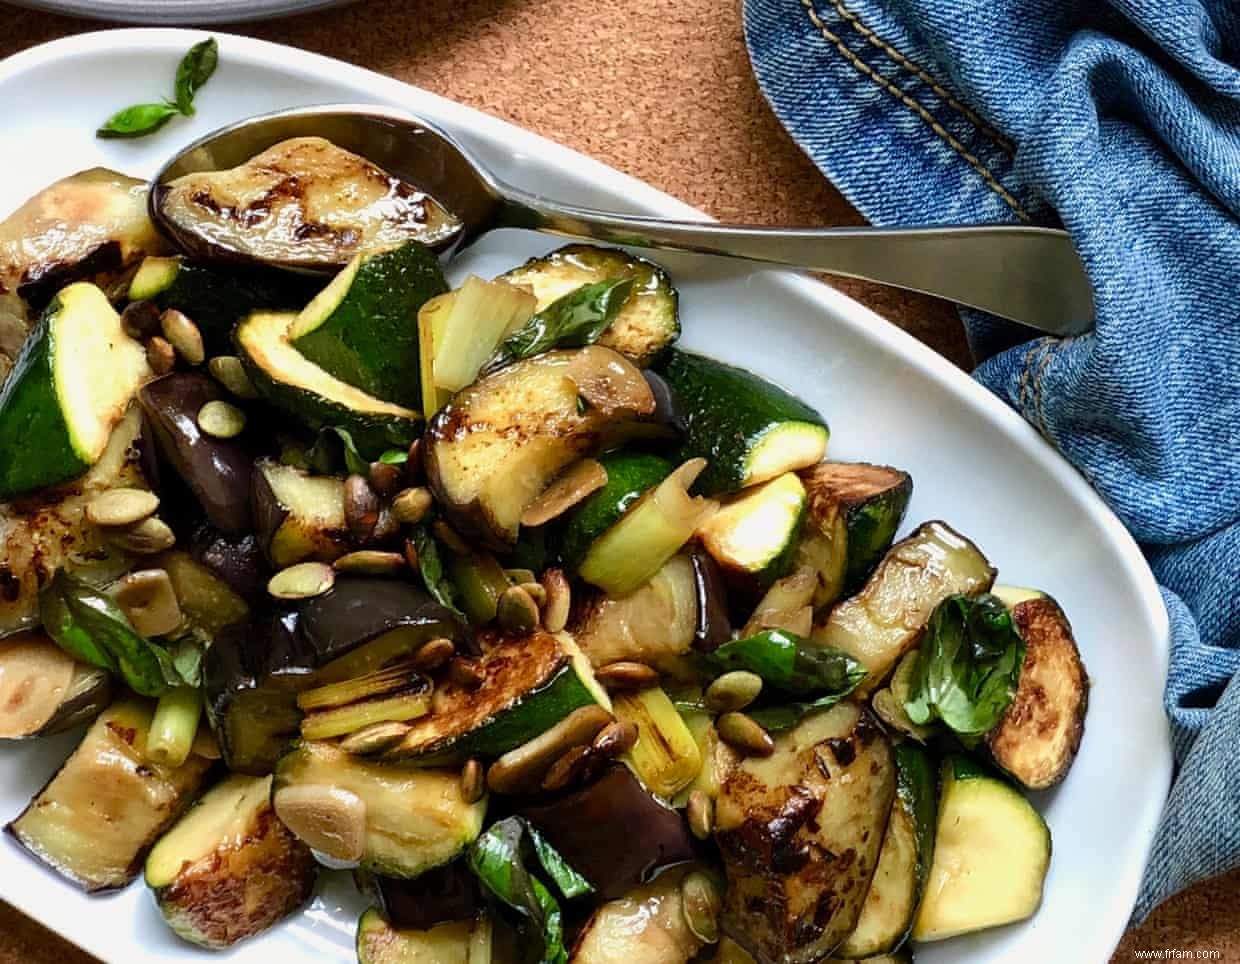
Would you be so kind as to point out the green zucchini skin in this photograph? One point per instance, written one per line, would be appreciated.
(871, 528)
(728, 413)
(30, 410)
(369, 337)
(216, 300)
(629, 476)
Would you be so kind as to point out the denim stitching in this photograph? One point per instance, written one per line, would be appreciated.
(916, 108)
(923, 75)
(1026, 365)
(1044, 361)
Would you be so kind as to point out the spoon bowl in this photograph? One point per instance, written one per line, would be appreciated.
(1031, 275)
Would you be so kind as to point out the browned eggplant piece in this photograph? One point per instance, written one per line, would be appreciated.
(40, 532)
(302, 203)
(107, 805)
(237, 561)
(44, 690)
(91, 225)
(216, 470)
(498, 444)
(800, 833)
(714, 624)
(650, 924)
(255, 670)
(299, 516)
(613, 832)
(1040, 733)
(441, 894)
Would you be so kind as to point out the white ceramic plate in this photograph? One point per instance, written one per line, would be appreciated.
(888, 398)
(181, 11)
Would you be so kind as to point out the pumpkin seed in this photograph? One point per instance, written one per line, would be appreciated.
(385, 479)
(160, 355)
(536, 592)
(145, 538)
(569, 769)
(302, 581)
(374, 738)
(361, 508)
(410, 552)
(516, 612)
(370, 562)
(411, 505)
(626, 675)
(140, 319)
(413, 463)
(701, 902)
(522, 769)
(221, 419)
(615, 739)
(329, 819)
(121, 507)
(519, 577)
(473, 781)
(150, 602)
(569, 488)
(183, 335)
(465, 672)
(434, 654)
(700, 814)
(732, 691)
(229, 372)
(559, 600)
(743, 733)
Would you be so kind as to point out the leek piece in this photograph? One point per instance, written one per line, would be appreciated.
(174, 726)
(477, 320)
(666, 756)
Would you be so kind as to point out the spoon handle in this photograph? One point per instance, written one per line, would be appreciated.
(1026, 274)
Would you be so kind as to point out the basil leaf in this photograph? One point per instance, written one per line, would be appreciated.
(497, 859)
(334, 448)
(784, 716)
(194, 70)
(571, 883)
(186, 655)
(395, 457)
(138, 120)
(430, 566)
(968, 666)
(578, 318)
(88, 624)
(789, 663)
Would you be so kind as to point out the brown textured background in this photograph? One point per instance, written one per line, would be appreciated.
(660, 89)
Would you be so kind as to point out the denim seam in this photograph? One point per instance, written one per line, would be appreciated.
(923, 75)
(946, 136)
(1046, 356)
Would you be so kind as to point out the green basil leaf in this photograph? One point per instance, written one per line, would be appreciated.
(791, 664)
(194, 70)
(571, 883)
(88, 624)
(395, 457)
(186, 655)
(333, 449)
(497, 859)
(968, 666)
(430, 566)
(577, 319)
(137, 120)
(784, 716)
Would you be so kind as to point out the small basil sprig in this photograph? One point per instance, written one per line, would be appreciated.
(138, 120)
(430, 567)
(573, 321)
(332, 448)
(968, 666)
(500, 858)
(88, 624)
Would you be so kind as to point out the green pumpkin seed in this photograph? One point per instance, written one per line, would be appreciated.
(121, 507)
(302, 581)
(183, 335)
(219, 419)
(229, 372)
(701, 903)
(732, 691)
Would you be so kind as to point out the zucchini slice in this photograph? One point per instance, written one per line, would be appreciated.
(854, 512)
(414, 818)
(362, 328)
(451, 942)
(528, 685)
(730, 952)
(298, 516)
(649, 321)
(229, 869)
(216, 299)
(1039, 735)
(991, 853)
(648, 925)
(107, 805)
(75, 378)
(884, 620)
(497, 445)
(754, 534)
(781, 821)
(748, 429)
(292, 382)
(904, 862)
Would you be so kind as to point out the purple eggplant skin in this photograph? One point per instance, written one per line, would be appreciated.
(238, 561)
(714, 624)
(667, 409)
(254, 670)
(216, 470)
(444, 894)
(614, 832)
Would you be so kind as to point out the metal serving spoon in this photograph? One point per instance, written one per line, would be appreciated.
(1026, 274)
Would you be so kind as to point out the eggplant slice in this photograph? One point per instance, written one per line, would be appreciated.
(43, 690)
(303, 203)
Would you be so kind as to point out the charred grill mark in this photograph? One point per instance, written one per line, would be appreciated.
(843, 749)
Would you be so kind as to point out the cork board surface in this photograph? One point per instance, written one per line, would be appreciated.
(660, 89)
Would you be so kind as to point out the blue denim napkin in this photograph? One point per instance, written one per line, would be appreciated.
(1120, 119)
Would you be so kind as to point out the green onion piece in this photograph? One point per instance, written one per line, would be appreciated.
(174, 726)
